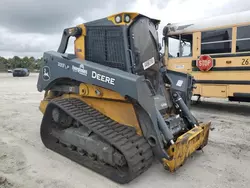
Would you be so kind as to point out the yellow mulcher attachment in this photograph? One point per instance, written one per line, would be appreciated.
(185, 145)
(112, 106)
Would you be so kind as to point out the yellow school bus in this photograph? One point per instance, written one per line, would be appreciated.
(216, 51)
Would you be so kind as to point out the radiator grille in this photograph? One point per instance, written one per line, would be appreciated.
(105, 45)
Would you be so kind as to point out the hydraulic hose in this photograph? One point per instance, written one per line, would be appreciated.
(164, 128)
(184, 110)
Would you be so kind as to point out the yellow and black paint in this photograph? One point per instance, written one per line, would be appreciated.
(80, 31)
(228, 78)
(80, 43)
(116, 107)
(108, 102)
(124, 18)
(186, 145)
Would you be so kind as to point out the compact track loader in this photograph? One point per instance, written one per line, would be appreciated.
(112, 106)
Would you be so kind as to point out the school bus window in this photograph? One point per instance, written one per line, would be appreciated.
(180, 46)
(243, 39)
(216, 41)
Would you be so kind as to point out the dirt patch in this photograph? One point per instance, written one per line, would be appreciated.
(12, 159)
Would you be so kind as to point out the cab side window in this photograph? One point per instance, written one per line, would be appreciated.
(216, 41)
(180, 45)
(243, 39)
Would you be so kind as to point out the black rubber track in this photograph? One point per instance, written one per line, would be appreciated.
(136, 150)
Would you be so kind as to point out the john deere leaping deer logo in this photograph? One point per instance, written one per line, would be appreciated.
(46, 73)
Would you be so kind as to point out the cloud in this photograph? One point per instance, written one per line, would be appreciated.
(33, 26)
(26, 43)
(186, 10)
(48, 16)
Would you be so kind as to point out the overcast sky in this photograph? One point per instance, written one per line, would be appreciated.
(30, 27)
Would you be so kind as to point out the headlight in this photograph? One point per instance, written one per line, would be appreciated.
(127, 18)
(118, 19)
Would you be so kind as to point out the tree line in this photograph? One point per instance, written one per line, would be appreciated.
(18, 62)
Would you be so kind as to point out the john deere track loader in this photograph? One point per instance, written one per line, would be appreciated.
(112, 106)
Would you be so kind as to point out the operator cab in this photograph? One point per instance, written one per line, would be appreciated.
(127, 41)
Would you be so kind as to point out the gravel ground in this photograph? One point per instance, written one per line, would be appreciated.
(26, 163)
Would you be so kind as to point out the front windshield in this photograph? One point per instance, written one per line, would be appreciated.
(180, 46)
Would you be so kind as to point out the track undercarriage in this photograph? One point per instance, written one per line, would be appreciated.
(73, 129)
